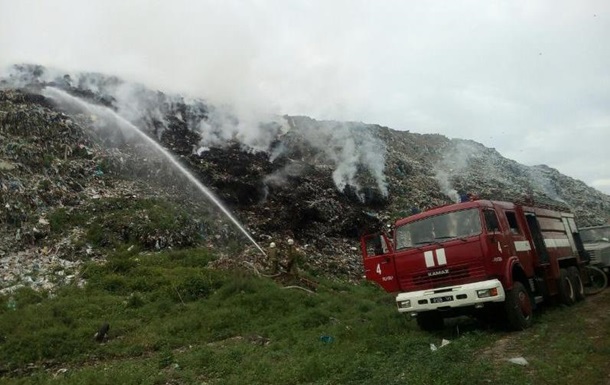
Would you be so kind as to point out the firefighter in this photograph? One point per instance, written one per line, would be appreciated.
(273, 258)
(293, 259)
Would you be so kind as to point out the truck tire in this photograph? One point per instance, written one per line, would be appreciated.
(567, 295)
(430, 321)
(518, 306)
(577, 285)
(596, 280)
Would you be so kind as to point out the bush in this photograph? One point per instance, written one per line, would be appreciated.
(193, 288)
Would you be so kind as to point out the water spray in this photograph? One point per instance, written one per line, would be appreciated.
(62, 96)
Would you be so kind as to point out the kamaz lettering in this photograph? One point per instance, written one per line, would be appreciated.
(438, 272)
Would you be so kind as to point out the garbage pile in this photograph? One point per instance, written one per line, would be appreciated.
(62, 200)
(45, 162)
(61, 185)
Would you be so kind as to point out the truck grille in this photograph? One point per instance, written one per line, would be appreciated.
(456, 276)
(595, 256)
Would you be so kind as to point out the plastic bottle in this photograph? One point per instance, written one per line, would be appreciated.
(12, 304)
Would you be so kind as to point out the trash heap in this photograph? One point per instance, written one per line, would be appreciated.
(63, 202)
(46, 162)
(68, 196)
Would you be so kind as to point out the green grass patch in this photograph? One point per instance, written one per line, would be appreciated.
(174, 320)
(114, 222)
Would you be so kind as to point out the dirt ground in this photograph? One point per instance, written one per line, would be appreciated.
(555, 331)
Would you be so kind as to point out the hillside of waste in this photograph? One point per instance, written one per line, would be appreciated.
(72, 192)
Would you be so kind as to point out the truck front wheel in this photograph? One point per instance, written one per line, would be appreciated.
(430, 321)
(519, 310)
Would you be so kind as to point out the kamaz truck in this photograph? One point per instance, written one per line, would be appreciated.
(479, 258)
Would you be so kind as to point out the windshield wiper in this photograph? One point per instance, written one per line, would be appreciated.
(427, 242)
(452, 237)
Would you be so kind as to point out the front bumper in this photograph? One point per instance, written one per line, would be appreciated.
(450, 297)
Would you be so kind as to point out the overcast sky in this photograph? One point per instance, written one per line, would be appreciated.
(529, 78)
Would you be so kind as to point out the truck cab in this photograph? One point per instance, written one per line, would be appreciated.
(596, 240)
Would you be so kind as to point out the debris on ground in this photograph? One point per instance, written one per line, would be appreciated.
(518, 361)
(444, 343)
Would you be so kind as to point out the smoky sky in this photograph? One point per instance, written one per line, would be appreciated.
(529, 78)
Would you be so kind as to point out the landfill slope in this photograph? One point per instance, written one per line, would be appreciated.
(61, 198)
(71, 195)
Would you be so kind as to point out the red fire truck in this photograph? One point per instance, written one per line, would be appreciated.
(476, 257)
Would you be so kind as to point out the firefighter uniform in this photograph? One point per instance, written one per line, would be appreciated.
(294, 258)
(273, 258)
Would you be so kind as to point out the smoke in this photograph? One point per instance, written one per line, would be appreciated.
(27, 75)
(254, 131)
(443, 179)
(540, 180)
(355, 153)
(351, 148)
(455, 160)
(281, 176)
(467, 159)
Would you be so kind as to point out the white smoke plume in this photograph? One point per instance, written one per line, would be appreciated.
(444, 182)
(253, 130)
(280, 177)
(349, 147)
(455, 160)
(540, 180)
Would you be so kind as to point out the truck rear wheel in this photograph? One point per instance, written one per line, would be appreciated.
(519, 310)
(567, 294)
(577, 285)
(430, 321)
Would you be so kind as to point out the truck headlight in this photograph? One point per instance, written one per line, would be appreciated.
(487, 293)
(404, 304)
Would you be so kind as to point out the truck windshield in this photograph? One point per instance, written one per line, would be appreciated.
(592, 235)
(439, 228)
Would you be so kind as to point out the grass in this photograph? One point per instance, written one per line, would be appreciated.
(112, 222)
(173, 320)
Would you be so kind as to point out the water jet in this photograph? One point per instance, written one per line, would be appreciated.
(108, 114)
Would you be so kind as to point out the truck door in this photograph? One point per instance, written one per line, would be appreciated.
(379, 261)
(520, 244)
(497, 240)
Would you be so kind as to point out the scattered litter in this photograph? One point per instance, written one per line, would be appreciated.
(327, 339)
(444, 343)
(518, 361)
(12, 304)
